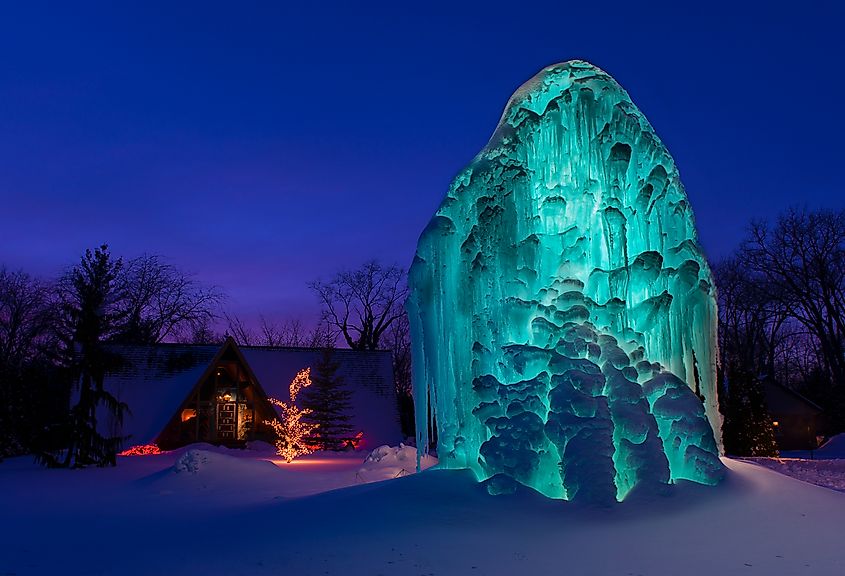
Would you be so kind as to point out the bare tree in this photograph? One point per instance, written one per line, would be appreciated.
(751, 319)
(27, 315)
(322, 335)
(398, 340)
(294, 333)
(799, 358)
(202, 333)
(272, 334)
(802, 258)
(285, 333)
(291, 332)
(161, 302)
(238, 330)
(362, 304)
(750, 334)
(28, 346)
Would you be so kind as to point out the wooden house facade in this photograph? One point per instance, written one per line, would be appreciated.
(227, 406)
(183, 394)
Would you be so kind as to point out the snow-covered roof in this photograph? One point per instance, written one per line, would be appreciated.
(156, 380)
(782, 399)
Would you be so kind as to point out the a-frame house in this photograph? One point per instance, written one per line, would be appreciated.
(227, 406)
(179, 394)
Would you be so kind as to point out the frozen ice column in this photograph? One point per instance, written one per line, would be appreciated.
(562, 313)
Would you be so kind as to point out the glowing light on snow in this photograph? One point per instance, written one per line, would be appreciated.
(315, 462)
(562, 312)
(291, 431)
(141, 450)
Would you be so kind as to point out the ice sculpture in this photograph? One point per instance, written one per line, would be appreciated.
(562, 313)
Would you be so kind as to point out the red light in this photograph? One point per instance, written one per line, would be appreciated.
(141, 450)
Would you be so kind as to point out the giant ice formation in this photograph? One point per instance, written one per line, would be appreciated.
(562, 313)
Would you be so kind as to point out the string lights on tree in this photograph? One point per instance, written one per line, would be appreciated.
(291, 431)
(141, 450)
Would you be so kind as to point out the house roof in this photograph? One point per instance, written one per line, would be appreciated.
(153, 382)
(781, 399)
(156, 380)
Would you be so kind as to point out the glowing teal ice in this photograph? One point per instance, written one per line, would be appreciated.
(562, 313)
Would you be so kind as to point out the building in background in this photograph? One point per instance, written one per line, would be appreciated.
(797, 421)
(180, 394)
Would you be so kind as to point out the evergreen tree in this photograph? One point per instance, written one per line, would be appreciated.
(329, 402)
(89, 296)
(747, 428)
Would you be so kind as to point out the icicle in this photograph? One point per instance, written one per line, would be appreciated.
(561, 309)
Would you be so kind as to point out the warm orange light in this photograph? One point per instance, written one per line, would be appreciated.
(775, 423)
(300, 381)
(188, 413)
(291, 431)
(307, 462)
(141, 450)
(357, 441)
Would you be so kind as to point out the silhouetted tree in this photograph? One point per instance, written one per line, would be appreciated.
(398, 340)
(91, 314)
(802, 260)
(159, 301)
(750, 326)
(202, 333)
(29, 382)
(362, 304)
(330, 403)
(239, 331)
(55, 335)
(285, 333)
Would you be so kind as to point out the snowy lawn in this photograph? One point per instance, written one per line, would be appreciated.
(822, 467)
(827, 473)
(235, 512)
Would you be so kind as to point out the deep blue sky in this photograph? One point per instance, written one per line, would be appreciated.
(265, 145)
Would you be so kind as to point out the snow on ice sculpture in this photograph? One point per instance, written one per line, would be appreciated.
(562, 313)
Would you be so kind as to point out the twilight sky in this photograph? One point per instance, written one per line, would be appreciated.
(264, 145)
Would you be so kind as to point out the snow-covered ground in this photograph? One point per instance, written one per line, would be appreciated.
(822, 467)
(210, 511)
(827, 473)
(833, 449)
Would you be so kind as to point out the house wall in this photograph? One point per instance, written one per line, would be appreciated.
(796, 422)
(159, 382)
(226, 391)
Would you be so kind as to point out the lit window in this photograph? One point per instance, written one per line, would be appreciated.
(775, 423)
(188, 413)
